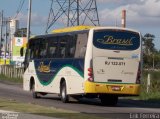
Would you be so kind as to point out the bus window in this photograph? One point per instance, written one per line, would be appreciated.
(71, 46)
(81, 45)
(52, 47)
(33, 47)
(31, 51)
(63, 47)
(41, 51)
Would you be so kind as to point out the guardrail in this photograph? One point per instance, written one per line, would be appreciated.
(11, 71)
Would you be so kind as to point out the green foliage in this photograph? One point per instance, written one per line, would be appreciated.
(154, 89)
(148, 43)
(150, 60)
(151, 57)
(8, 79)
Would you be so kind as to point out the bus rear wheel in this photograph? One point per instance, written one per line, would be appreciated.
(109, 100)
(63, 93)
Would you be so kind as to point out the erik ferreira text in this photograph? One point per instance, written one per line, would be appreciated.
(144, 115)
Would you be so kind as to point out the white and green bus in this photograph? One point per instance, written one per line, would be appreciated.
(95, 62)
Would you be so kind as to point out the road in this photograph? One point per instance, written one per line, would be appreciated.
(15, 92)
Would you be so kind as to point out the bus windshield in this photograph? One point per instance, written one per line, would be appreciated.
(116, 39)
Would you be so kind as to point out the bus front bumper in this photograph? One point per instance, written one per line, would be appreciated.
(107, 88)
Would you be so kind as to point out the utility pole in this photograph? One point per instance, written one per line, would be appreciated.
(29, 20)
(9, 37)
(124, 18)
(1, 29)
(77, 12)
(5, 50)
(153, 61)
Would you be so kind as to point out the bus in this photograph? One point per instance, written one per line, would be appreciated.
(85, 61)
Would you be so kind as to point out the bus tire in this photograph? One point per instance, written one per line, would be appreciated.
(34, 93)
(109, 100)
(63, 93)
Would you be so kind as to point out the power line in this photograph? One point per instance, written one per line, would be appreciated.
(75, 12)
(19, 8)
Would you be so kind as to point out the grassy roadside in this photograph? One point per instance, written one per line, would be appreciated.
(12, 105)
(153, 95)
(12, 80)
(154, 88)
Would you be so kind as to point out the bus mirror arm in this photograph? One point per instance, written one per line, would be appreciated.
(21, 51)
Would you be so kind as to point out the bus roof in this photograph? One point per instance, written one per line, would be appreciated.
(74, 28)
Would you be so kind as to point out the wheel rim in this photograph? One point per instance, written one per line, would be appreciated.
(33, 88)
(63, 93)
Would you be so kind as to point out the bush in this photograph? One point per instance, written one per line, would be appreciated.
(154, 89)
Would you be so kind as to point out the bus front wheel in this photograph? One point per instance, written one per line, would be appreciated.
(63, 93)
(34, 93)
(109, 100)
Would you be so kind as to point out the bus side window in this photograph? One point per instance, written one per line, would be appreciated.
(28, 53)
(31, 47)
(63, 52)
(71, 51)
(71, 46)
(31, 54)
(35, 48)
(52, 47)
(63, 47)
(81, 45)
(52, 52)
(82, 51)
(40, 51)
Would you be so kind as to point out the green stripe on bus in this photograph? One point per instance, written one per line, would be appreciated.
(74, 68)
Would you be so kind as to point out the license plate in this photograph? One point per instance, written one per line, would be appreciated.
(116, 88)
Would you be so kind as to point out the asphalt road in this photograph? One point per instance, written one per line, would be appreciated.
(15, 92)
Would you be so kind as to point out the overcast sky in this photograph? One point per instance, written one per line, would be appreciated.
(142, 15)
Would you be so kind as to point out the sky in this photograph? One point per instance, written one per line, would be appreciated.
(142, 15)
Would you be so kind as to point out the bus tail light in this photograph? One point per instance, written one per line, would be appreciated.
(90, 74)
(138, 75)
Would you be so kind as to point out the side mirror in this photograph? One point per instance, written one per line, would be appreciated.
(21, 51)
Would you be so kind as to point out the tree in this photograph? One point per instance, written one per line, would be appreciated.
(151, 56)
(148, 45)
(22, 32)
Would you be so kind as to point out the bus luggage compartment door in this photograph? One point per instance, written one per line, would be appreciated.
(115, 70)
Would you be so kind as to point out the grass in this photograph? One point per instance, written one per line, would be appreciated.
(8, 79)
(154, 90)
(12, 105)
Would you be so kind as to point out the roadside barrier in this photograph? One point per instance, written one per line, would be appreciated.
(11, 71)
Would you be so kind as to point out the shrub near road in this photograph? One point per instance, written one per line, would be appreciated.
(154, 88)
